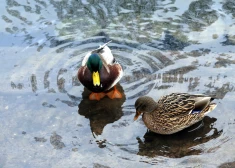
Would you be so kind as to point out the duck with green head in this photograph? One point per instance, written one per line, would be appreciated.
(173, 112)
(100, 72)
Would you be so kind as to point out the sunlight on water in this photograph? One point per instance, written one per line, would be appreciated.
(163, 46)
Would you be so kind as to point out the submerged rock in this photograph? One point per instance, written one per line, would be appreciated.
(55, 140)
(40, 139)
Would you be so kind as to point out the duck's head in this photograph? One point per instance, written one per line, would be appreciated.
(94, 64)
(144, 104)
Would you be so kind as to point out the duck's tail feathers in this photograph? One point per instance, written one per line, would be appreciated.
(101, 47)
(211, 107)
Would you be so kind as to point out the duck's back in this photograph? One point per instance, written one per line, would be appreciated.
(177, 111)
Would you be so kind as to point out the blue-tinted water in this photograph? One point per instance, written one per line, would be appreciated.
(165, 46)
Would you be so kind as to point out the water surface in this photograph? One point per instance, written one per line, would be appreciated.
(46, 119)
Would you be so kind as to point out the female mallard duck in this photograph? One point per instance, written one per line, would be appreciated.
(173, 112)
(100, 72)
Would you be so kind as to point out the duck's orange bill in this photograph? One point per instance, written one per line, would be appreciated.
(96, 78)
(137, 114)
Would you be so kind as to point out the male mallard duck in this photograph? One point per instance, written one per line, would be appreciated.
(173, 112)
(100, 72)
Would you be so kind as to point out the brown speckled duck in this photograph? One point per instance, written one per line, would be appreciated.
(173, 112)
(100, 72)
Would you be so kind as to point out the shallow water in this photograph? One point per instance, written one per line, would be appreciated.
(165, 46)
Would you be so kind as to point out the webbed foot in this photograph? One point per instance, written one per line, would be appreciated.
(96, 96)
(114, 94)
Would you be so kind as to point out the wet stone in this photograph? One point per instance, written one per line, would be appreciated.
(229, 40)
(40, 139)
(70, 103)
(60, 84)
(46, 82)
(142, 72)
(215, 36)
(13, 85)
(162, 87)
(202, 10)
(97, 165)
(45, 104)
(219, 93)
(181, 70)
(51, 90)
(20, 86)
(228, 6)
(33, 81)
(55, 140)
(9, 30)
(121, 124)
(75, 149)
(222, 62)
(172, 43)
(195, 53)
(101, 143)
(150, 61)
(75, 81)
(61, 71)
(158, 55)
(6, 19)
(56, 42)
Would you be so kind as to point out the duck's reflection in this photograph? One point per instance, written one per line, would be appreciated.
(100, 113)
(179, 144)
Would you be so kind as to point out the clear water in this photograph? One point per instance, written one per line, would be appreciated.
(164, 46)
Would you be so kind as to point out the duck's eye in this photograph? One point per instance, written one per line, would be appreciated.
(114, 60)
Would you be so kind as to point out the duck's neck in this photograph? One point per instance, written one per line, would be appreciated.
(152, 108)
(148, 118)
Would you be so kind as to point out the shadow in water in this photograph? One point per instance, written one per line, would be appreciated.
(100, 113)
(227, 165)
(179, 144)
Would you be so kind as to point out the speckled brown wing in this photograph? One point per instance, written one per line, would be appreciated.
(175, 105)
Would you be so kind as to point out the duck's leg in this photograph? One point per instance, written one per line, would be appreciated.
(114, 93)
(96, 96)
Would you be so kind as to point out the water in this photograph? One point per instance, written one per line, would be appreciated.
(164, 47)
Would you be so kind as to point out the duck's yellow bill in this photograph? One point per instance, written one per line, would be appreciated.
(96, 78)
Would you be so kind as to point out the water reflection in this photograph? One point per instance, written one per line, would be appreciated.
(162, 25)
(200, 14)
(33, 81)
(180, 144)
(163, 46)
(100, 113)
(227, 165)
(138, 21)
